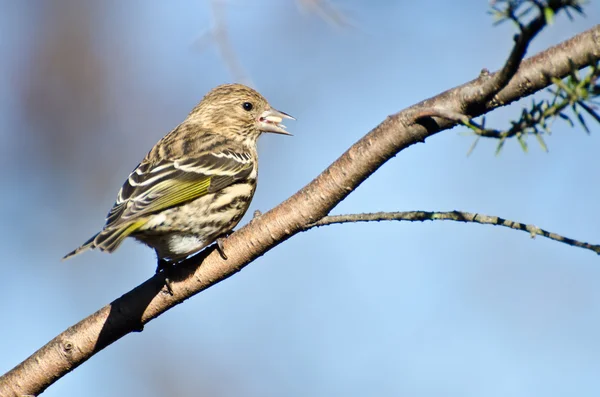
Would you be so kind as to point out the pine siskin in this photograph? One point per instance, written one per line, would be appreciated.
(197, 182)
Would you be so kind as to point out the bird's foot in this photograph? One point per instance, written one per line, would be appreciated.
(169, 285)
(219, 242)
(163, 266)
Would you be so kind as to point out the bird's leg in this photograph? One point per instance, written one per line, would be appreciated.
(168, 283)
(163, 266)
(219, 242)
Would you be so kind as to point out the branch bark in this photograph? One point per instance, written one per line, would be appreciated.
(131, 311)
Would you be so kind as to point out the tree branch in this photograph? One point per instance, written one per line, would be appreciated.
(499, 80)
(134, 309)
(572, 92)
(491, 84)
(458, 216)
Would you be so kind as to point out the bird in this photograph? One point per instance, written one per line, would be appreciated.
(195, 185)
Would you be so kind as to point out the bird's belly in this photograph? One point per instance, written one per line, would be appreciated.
(179, 245)
(181, 231)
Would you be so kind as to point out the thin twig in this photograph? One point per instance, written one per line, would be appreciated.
(496, 82)
(457, 216)
(324, 10)
(219, 33)
(493, 83)
(573, 92)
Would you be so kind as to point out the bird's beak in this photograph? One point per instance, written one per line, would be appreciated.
(270, 121)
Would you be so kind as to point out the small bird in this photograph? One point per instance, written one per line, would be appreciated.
(197, 182)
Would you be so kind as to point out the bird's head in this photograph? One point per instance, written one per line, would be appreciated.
(238, 111)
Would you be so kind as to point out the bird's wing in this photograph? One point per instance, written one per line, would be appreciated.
(151, 188)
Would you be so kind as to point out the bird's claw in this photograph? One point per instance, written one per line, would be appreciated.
(169, 285)
(163, 266)
(220, 248)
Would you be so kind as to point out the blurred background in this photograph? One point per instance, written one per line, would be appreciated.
(386, 309)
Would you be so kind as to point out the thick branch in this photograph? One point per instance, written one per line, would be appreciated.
(134, 309)
(458, 216)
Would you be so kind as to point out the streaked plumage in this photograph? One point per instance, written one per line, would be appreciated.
(197, 182)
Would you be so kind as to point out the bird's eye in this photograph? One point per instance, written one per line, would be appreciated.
(247, 106)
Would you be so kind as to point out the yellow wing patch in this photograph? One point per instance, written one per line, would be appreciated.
(175, 192)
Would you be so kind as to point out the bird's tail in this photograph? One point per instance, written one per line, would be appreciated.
(108, 239)
(84, 247)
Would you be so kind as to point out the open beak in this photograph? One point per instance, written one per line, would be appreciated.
(270, 121)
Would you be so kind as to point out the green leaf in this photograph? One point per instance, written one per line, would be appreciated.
(521, 139)
(549, 15)
(590, 111)
(540, 140)
(500, 145)
(473, 146)
(580, 118)
(566, 118)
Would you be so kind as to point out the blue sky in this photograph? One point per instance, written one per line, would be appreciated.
(422, 309)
